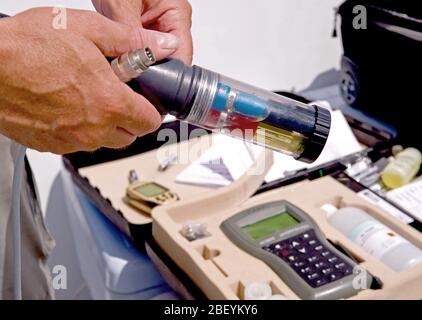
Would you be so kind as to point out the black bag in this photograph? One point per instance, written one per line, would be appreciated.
(382, 66)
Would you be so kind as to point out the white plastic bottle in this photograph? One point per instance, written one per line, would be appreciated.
(374, 237)
(402, 169)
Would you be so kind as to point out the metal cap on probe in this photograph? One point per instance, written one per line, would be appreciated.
(132, 64)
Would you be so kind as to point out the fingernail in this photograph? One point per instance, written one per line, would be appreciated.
(167, 41)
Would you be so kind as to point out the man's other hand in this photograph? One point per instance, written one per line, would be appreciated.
(172, 17)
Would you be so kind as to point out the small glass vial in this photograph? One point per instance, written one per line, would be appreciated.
(402, 169)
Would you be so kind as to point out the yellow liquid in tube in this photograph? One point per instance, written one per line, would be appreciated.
(402, 169)
(279, 139)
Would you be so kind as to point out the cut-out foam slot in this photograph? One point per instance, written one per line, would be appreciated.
(239, 289)
(210, 255)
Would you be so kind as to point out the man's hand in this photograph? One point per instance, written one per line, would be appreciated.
(58, 93)
(167, 16)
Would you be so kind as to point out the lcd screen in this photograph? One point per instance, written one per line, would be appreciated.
(270, 225)
(150, 189)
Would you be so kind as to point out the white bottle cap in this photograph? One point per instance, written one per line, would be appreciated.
(258, 291)
(395, 150)
(329, 209)
(278, 297)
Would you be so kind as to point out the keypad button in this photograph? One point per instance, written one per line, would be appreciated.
(284, 252)
(306, 270)
(312, 259)
(333, 277)
(325, 253)
(318, 248)
(312, 242)
(327, 271)
(340, 265)
(320, 264)
(302, 250)
(319, 282)
(292, 258)
(313, 276)
(299, 264)
(332, 259)
(279, 246)
(295, 244)
(306, 236)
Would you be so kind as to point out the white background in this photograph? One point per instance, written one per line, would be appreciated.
(275, 44)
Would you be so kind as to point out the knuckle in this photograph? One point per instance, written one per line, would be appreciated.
(152, 122)
(181, 8)
(104, 105)
(188, 8)
(112, 108)
(185, 10)
(87, 140)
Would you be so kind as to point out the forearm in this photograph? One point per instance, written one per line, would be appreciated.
(7, 53)
(4, 33)
(5, 38)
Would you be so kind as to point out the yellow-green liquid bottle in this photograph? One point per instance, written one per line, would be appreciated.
(402, 169)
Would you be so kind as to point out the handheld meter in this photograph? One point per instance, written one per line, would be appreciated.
(147, 195)
(290, 242)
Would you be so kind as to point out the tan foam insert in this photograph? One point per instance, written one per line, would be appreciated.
(222, 270)
(111, 177)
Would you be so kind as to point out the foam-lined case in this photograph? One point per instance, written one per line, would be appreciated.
(210, 261)
(103, 175)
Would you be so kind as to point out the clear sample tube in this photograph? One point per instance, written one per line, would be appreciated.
(260, 116)
(216, 102)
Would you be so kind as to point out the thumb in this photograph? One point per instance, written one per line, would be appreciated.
(161, 44)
